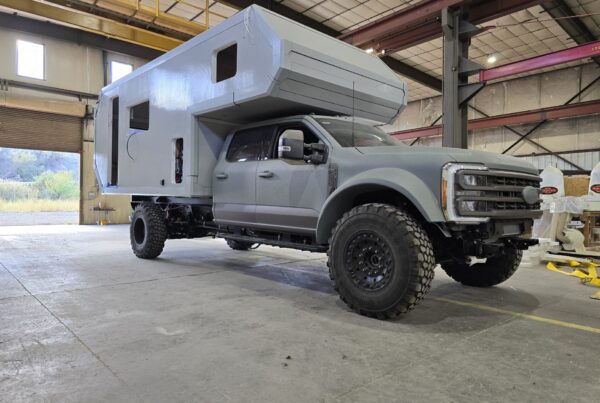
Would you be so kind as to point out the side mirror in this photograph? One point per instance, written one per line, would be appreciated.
(318, 153)
(292, 149)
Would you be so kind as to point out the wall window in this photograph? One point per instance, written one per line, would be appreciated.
(118, 70)
(30, 59)
(227, 63)
(139, 117)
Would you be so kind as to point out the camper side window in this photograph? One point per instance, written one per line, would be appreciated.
(139, 116)
(226, 63)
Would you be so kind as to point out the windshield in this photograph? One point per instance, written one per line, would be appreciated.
(364, 135)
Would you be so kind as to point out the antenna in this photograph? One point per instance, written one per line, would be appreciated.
(353, 145)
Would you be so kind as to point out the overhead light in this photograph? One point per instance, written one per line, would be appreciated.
(370, 50)
(492, 59)
(382, 52)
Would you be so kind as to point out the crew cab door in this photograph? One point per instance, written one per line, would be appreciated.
(290, 192)
(234, 177)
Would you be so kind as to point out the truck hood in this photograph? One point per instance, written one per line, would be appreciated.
(445, 154)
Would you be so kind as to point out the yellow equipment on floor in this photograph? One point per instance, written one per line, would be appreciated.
(583, 269)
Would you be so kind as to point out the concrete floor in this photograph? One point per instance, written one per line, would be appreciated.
(82, 319)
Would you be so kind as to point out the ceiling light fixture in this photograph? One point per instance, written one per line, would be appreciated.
(492, 59)
(370, 50)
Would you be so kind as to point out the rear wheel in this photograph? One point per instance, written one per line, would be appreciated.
(380, 260)
(148, 231)
(239, 245)
(494, 271)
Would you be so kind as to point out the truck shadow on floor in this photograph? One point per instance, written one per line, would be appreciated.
(311, 275)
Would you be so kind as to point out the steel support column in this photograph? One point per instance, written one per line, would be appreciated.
(456, 70)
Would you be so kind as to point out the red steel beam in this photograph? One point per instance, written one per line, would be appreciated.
(421, 22)
(586, 50)
(408, 17)
(518, 118)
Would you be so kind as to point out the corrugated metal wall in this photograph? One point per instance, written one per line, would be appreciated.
(586, 160)
(20, 128)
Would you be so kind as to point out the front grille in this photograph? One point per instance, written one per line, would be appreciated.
(495, 194)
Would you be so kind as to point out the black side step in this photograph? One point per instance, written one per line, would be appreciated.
(273, 242)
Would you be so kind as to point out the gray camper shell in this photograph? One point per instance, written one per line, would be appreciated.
(257, 65)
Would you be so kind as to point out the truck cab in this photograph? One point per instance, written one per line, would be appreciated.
(290, 169)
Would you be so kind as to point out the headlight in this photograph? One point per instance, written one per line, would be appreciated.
(474, 180)
(449, 194)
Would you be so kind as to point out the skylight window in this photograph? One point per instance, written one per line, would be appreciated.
(118, 70)
(30, 59)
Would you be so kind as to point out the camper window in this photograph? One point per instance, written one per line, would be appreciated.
(226, 63)
(139, 116)
(114, 156)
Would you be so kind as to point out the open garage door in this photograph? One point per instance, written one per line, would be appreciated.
(21, 128)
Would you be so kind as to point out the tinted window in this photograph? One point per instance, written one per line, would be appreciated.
(227, 63)
(268, 137)
(246, 145)
(139, 117)
(354, 134)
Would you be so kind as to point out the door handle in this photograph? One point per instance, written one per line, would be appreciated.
(265, 174)
(222, 175)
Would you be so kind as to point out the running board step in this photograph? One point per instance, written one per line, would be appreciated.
(273, 242)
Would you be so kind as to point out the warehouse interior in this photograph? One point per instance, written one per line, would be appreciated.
(84, 320)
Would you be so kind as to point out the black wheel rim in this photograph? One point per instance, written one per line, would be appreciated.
(139, 231)
(369, 261)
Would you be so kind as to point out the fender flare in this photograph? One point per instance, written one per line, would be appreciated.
(406, 183)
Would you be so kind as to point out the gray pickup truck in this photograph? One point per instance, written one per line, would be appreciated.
(384, 212)
(263, 131)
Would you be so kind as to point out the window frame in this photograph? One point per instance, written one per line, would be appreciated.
(44, 63)
(216, 62)
(265, 133)
(131, 108)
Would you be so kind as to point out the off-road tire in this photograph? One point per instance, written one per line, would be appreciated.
(404, 248)
(148, 231)
(239, 245)
(493, 272)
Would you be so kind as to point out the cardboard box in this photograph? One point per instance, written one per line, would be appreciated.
(577, 185)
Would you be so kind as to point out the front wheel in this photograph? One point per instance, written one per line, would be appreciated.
(380, 260)
(148, 231)
(494, 271)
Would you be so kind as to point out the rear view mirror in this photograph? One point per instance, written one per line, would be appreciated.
(291, 145)
(292, 149)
